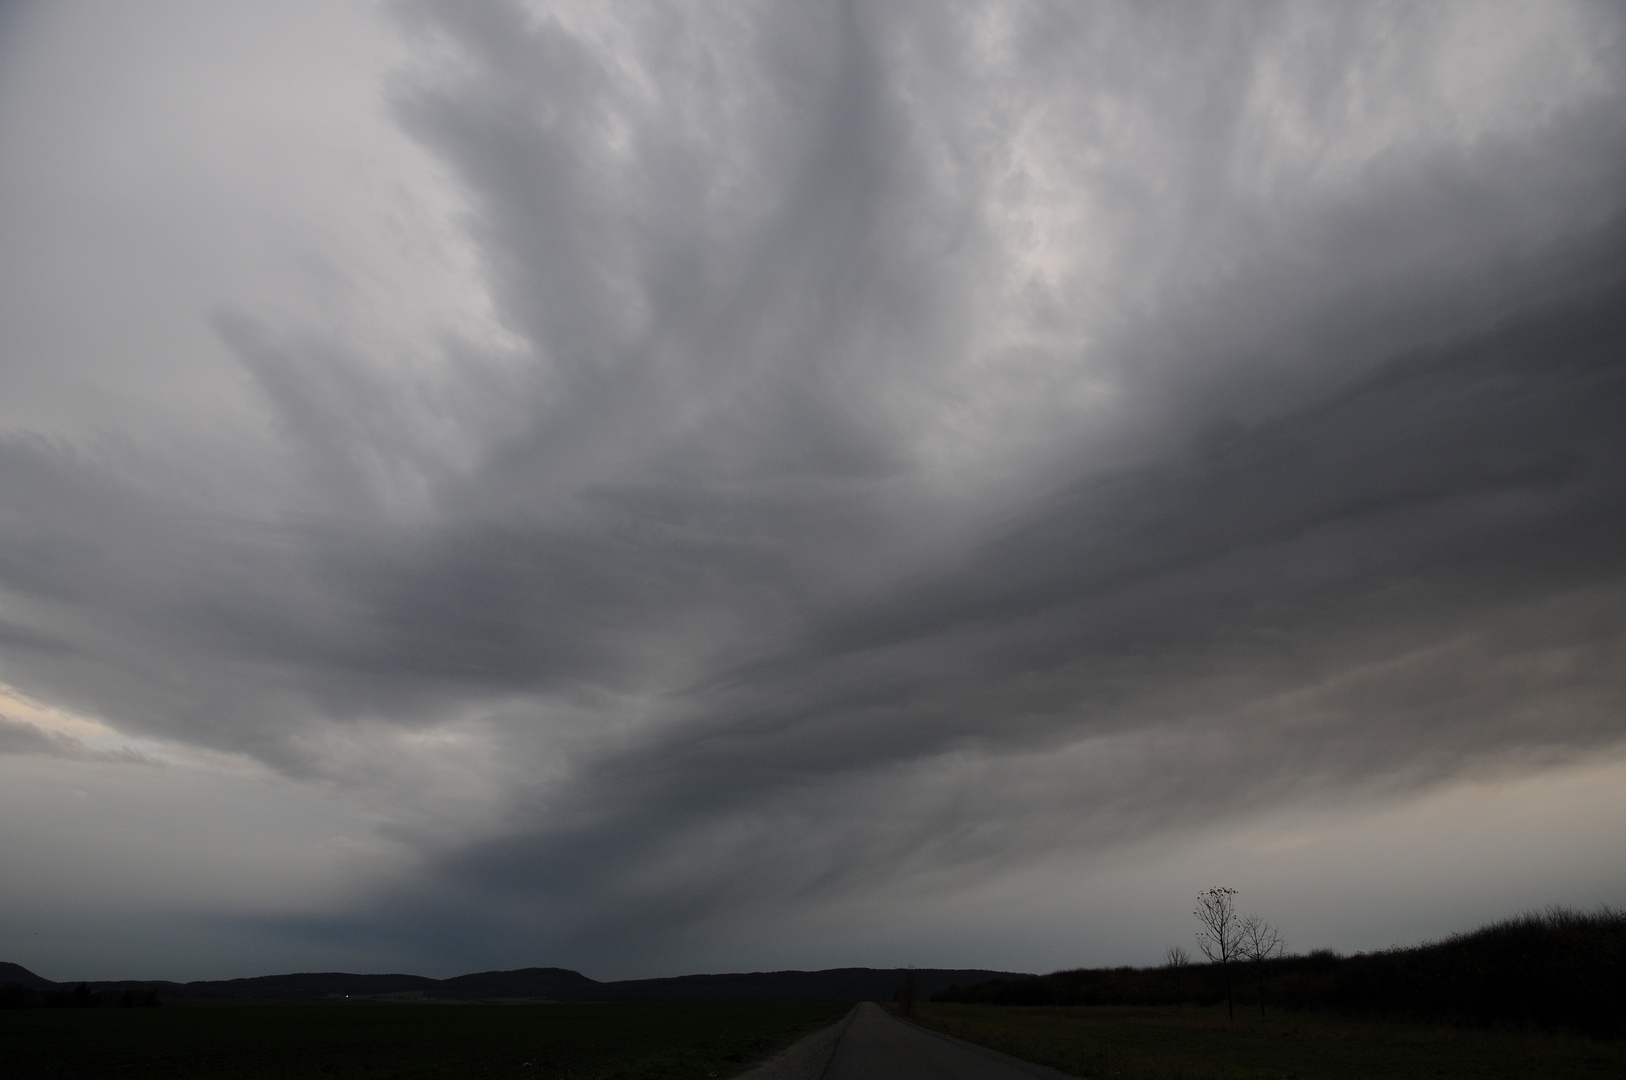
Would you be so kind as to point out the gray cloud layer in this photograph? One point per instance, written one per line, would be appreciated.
(927, 440)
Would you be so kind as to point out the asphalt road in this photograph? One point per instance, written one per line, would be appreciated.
(875, 1046)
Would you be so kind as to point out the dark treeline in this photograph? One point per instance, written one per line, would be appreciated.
(1561, 969)
(78, 997)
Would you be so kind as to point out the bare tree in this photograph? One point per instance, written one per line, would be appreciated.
(1260, 943)
(1177, 960)
(1220, 939)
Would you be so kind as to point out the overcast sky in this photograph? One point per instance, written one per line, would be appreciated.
(654, 488)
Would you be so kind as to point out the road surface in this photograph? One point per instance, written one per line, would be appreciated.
(871, 1045)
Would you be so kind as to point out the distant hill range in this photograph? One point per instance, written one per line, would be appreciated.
(549, 984)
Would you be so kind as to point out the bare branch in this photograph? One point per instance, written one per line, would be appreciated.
(1216, 910)
(1259, 941)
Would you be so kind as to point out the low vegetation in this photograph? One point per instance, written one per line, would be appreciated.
(371, 1040)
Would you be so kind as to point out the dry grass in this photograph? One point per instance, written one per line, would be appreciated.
(1174, 1043)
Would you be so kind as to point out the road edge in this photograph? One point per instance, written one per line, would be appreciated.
(805, 1059)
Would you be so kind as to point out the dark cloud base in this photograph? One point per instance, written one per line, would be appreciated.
(1413, 579)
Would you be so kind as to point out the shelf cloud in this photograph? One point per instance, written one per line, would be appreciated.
(726, 485)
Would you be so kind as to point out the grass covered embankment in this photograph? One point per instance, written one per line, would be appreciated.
(1199, 1043)
(285, 1040)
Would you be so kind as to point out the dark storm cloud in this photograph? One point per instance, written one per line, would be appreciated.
(1416, 508)
(841, 528)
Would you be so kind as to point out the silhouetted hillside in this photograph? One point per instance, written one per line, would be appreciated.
(309, 985)
(555, 984)
(537, 984)
(17, 975)
(1561, 969)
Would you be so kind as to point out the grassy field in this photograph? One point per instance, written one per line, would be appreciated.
(1175, 1043)
(555, 1042)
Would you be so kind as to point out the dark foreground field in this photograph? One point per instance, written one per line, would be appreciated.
(567, 1042)
(1177, 1043)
